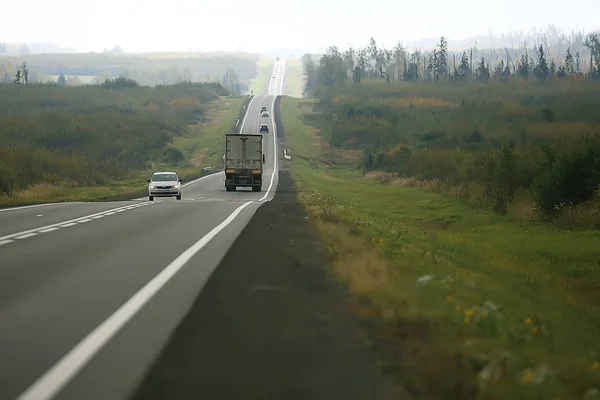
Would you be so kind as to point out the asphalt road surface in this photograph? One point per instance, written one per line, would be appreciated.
(90, 292)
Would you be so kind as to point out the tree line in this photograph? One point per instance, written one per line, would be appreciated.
(21, 74)
(336, 67)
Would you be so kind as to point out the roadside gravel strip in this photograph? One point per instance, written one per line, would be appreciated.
(269, 324)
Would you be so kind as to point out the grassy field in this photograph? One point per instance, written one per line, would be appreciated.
(458, 302)
(523, 149)
(294, 75)
(264, 70)
(93, 143)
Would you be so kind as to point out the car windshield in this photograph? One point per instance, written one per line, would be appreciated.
(164, 177)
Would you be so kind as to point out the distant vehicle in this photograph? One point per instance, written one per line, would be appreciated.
(263, 108)
(164, 184)
(277, 58)
(273, 77)
(264, 128)
(265, 114)
(244, 159)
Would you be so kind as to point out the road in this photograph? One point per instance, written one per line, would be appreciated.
(90, 292)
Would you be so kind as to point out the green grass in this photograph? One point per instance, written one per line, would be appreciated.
(264, 70)
(294, 77)
(205, 146)
(449, 340)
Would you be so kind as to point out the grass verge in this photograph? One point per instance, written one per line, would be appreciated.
(264, 69)
(459, 303)
(293, 80)
(202, 147)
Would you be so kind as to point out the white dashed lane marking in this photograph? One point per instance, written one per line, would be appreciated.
(66, 224)
(27, 235)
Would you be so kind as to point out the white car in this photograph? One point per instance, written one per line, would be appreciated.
(164, 184)
(265, 114)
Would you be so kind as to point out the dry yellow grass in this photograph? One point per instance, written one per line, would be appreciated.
(361, 266)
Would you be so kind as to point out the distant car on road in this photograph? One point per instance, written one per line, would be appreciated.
(277, 58)
(263, 108)
(265, 114)
(264, 128)
(164, 184)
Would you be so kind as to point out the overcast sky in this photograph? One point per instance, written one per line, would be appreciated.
(259, 26)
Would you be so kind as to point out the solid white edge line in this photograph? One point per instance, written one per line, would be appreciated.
(12, 235)
(61, 373)
(49, 384)
(246, 114)
(275, 154)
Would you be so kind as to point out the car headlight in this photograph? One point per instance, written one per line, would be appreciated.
(152, 187)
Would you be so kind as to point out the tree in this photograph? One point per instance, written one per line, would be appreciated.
(18, 77)
(331, 72)
(356, 74)
(569, 63)
(74, 81)
(524, 66)
(310, 73)
(441, 61)
(373, 52)
(186, 75)
(464, 69)
(592, 42)
(399, 60)
(231, 80)
(61, 80)
(349, 56)
(542, 71)
(22, 75)
(483, 71)
(25, 72)
(24, 50)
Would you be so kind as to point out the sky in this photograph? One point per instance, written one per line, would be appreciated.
(260, 26)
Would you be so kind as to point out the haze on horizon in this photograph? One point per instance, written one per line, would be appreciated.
(310, 25)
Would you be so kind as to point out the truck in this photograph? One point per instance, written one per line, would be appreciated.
(244, 160)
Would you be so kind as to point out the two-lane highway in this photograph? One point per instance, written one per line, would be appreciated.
(90, 292)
